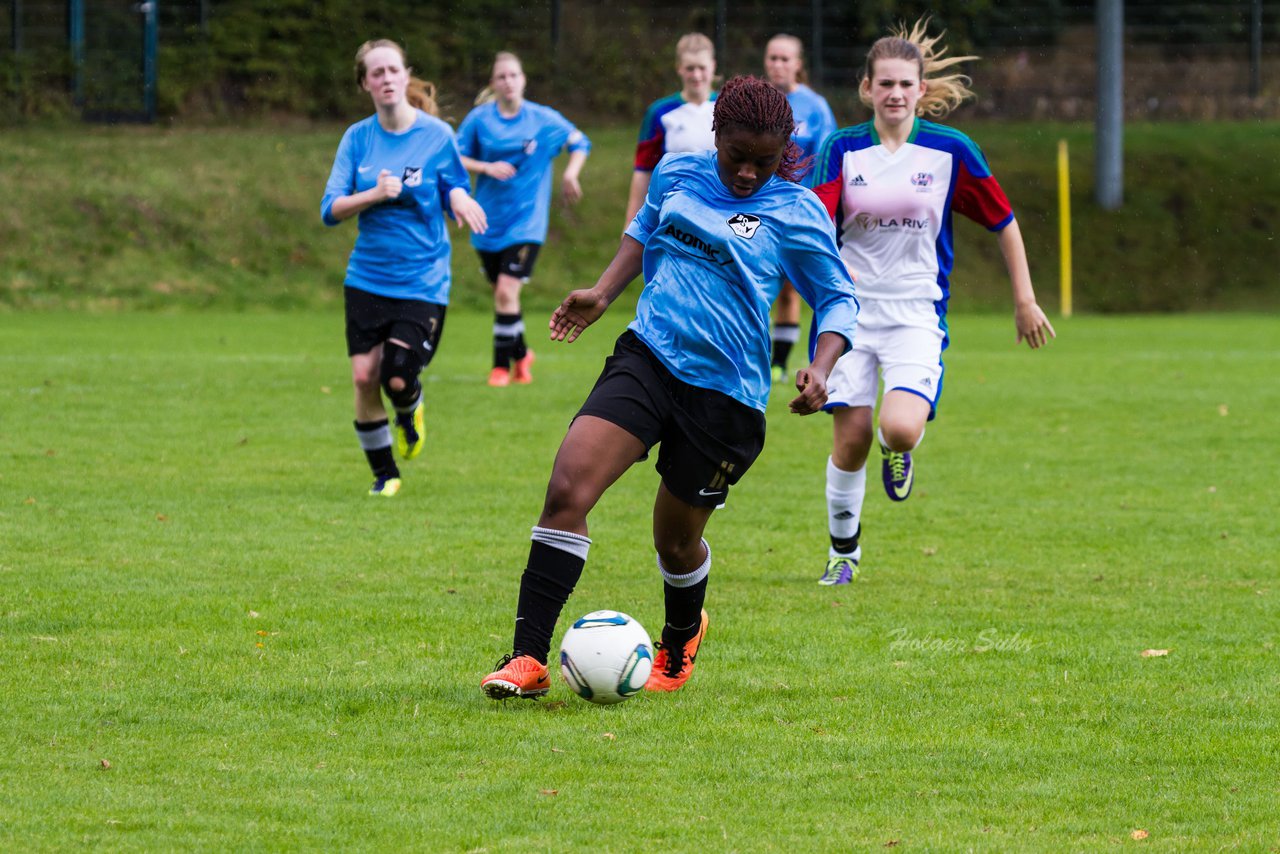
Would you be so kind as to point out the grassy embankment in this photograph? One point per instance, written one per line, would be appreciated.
(127, 218)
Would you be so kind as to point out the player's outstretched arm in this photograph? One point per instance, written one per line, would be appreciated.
(581, 308)
(1030, 319)
(812, 381)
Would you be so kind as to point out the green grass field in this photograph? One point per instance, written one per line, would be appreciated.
(195, 591)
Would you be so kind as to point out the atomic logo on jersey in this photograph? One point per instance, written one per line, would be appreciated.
(697, 244)
(412, 176)
(530, 146)
(866, 221)
(744, 225)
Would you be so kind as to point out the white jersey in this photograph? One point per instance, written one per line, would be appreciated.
(892, 210)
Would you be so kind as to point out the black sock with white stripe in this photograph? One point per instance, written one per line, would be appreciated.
(684, 596)
(556, 559)
(375, 439)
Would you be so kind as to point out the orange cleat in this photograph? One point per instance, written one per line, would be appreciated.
(500, 377)
(522, 373)
(521, 676)
(673, 667)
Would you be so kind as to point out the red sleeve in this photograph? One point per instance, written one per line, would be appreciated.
(981, 199)
(649, 151)
(829, 193)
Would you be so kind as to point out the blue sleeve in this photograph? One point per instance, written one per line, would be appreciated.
(452, 174)
(468, 142)
(646, 219)
(562, 134)
(342, 177)
(812, 263)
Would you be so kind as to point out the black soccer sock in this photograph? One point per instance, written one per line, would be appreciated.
(556, 559)
(785, 335)
(846, 545)
(519, 349)
(506, 332)
(684, 596)
(375, 439)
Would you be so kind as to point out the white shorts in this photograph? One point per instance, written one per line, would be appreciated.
(901, 339)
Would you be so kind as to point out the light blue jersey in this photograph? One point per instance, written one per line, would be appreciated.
(814, 123)
(517, 207)
(402, 250)
(713, 265)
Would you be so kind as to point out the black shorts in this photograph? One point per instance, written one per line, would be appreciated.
(516, 261)
(373, 319)
(708, 439)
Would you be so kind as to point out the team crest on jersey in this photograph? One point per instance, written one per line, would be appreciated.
(529, 146)
(412, 176)
(744, 225)
(922, 181)
(866, 221)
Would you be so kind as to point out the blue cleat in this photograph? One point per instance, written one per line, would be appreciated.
(897, 472)
(841, 569)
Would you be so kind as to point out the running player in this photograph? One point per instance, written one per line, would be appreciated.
(784, 66)
(892, 185)
(509, 143)
(718, 233)
(679, 122)
(399, 170)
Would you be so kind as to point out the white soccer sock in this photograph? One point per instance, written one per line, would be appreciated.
(845, 492)
(688, 579)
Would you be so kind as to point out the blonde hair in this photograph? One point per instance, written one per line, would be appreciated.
(420, 94)
(487, 94)
(802, 73)
(694, 43)
(942, 94)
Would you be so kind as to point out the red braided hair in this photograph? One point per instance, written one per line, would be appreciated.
(753, 104)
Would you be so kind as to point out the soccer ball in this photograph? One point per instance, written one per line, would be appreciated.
(606, 657)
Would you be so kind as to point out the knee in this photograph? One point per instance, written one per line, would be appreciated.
(364, 378)
(399, 373)
(902, 434)
(566, 503)
(679, 553)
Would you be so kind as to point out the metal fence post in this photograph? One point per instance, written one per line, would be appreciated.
(1109, 134)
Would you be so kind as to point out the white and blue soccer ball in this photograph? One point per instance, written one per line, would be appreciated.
(606, 657)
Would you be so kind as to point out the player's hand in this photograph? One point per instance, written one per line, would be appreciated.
(1033, 326)
(499, 170)
(389, 186)
(570, 189)
(579, 310)
(468, 211)
(811, 382)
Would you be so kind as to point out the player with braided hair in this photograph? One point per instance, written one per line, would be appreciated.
(892, 185)
(718, 233)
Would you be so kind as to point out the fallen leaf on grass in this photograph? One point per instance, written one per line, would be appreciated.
(1139, 834)
(556, 750)
(891, 843)
(548, 791)
(609, 736)
(929, 551)
(1154, 653)
(253, 614)
(1222, 409)
(105, 765)
(160, 517)
(324, 389)
(29, 501)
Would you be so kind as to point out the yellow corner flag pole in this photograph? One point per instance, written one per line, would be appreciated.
(1064, 226)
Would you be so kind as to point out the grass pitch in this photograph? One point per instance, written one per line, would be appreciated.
(212, 639)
